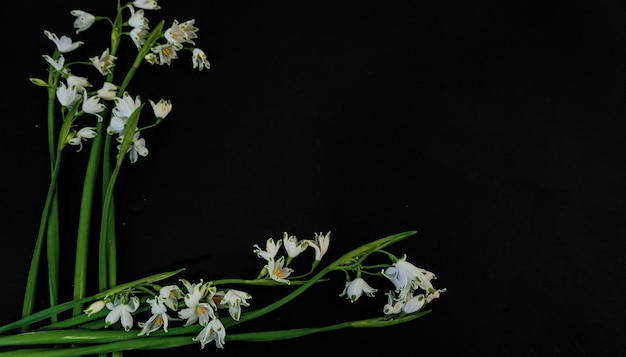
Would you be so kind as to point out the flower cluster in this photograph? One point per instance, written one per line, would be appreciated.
(71, 89)
(199, 303)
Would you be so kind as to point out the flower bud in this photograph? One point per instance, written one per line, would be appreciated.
(39, 82)
(95, 307)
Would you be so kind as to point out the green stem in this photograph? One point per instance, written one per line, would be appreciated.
(52, 234)
(115, 341)
(31, 283)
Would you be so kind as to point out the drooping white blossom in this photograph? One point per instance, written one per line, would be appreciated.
(83, 20)
(64, 44)
(199, 59)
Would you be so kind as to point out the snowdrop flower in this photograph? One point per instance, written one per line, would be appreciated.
(159, 317)
(394, 306)
(235, 299)
(139, 36)
(355, 288)
(125, 106)
(213, 331)
(292, 246)
(190, 31)
(93, 106)
(138, 147)
(406, 276)
(162, 108)
(121, 310)
(147, 4)
(199, 59)
(271, 248)
(83, 20)
(59, 64)
(175, 35)
(117, 125)
(197, 310)
(170, 295)
(108, 91)
(320, 245)
(152, 58)
(79, 82)
(104, 63)
(67, 96)
(166, 53)
(277, 271)
(64, 44)
(414, 303)
(137, 18)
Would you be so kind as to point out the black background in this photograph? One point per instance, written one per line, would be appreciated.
(494, 130)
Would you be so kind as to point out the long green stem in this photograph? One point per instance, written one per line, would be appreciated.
(31, 283)
(52, 231)
(113, 341)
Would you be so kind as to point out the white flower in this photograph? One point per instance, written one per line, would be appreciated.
(355, 288)
(58, 64)
(320, 245)
(213, 331)
(152, 58)
(170, 295)
(139, 36)
(159, 317)
(67, 96)
(166, 53)
(93, 106)
(147, 4)
(197, 310)
(79, 82)
(414, 303)
(292, 246)
(199, 59)
(175, 35)
(394, 306)
(64, 44)
(138, 147)
(190, 30)
(277, 271)
(117, 125)
(121, 310)
(104, 63)
(162, 108)
(235, 299)
(137, 19)
(125, 106)
(406, 277)
(83, 20)
(108, 91)
(271, 248)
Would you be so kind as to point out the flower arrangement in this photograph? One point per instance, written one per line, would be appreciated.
(164, 310)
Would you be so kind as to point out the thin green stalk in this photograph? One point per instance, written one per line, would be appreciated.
(31, 283)
(117, 341)
(84, 220)
(52, 234)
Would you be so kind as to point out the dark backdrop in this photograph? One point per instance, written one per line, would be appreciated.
(494, 130)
